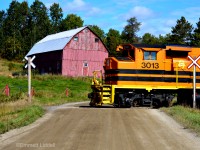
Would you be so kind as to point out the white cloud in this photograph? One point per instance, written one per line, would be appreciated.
(169, 22)
(140, 13)
(156, 26)
(76, 5)
(82, 7)
(94, 11)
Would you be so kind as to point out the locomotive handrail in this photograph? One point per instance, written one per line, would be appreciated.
(95, 81)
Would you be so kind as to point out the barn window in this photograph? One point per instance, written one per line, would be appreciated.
(96, 40)
(86, 30)
(85, 64)
(149, 55)
(75, 38)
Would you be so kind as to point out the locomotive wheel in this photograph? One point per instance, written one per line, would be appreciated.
(92, 104)
(128, 105)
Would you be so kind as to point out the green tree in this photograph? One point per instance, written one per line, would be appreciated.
(129, 33)
(196, 35)
(72, 21)
(11, 20)
(148, 38)
(2, 18)
(11, 50)
(56, 15)
(182, 32)
(24, 31)
(11, 30)
(40, 23)
(164, 39)
(113, 39)
(98, 31)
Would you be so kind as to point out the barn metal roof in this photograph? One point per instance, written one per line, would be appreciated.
(54, 41)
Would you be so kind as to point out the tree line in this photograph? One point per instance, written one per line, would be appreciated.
(22, 26)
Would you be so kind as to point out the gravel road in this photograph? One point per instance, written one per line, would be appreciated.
(79, 127)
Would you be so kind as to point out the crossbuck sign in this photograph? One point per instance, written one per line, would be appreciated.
(31, 62)
(194, 63)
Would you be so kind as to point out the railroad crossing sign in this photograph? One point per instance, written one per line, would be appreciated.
(194, 62)
(29, 64)
(31, 61)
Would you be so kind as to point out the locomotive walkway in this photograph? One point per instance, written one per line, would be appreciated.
(77, 126)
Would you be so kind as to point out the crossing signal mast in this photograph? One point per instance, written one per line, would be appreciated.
(194, 63)
(29, 64)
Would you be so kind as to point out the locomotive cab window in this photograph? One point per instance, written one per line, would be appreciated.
(132, 54)
(149, 55)
(127, 54)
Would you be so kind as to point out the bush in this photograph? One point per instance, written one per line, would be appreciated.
(11, 66)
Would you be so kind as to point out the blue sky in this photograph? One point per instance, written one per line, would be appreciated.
(156, 16)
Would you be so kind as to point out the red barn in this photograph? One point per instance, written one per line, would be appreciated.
(76, 52)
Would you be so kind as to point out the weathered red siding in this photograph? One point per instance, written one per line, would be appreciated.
(84, 51)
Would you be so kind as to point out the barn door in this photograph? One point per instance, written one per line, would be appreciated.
(85, 68)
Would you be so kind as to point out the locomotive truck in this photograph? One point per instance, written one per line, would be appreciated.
(146, 75)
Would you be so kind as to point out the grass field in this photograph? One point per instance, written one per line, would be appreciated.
(20, 117)
(7, 68)
(48, 90)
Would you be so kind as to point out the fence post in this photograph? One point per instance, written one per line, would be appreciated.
(7, 90)
(67, 92)
(32, 92)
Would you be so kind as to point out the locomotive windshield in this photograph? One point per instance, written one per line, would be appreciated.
(149, 55)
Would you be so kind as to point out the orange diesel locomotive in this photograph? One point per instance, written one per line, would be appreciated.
(146, 75)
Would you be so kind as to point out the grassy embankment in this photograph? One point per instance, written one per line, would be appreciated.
(188, 117)
(16, 111)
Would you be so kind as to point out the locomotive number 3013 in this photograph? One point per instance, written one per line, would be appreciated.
(150, 65)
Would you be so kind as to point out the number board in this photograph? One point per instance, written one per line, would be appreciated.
(150, 65)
